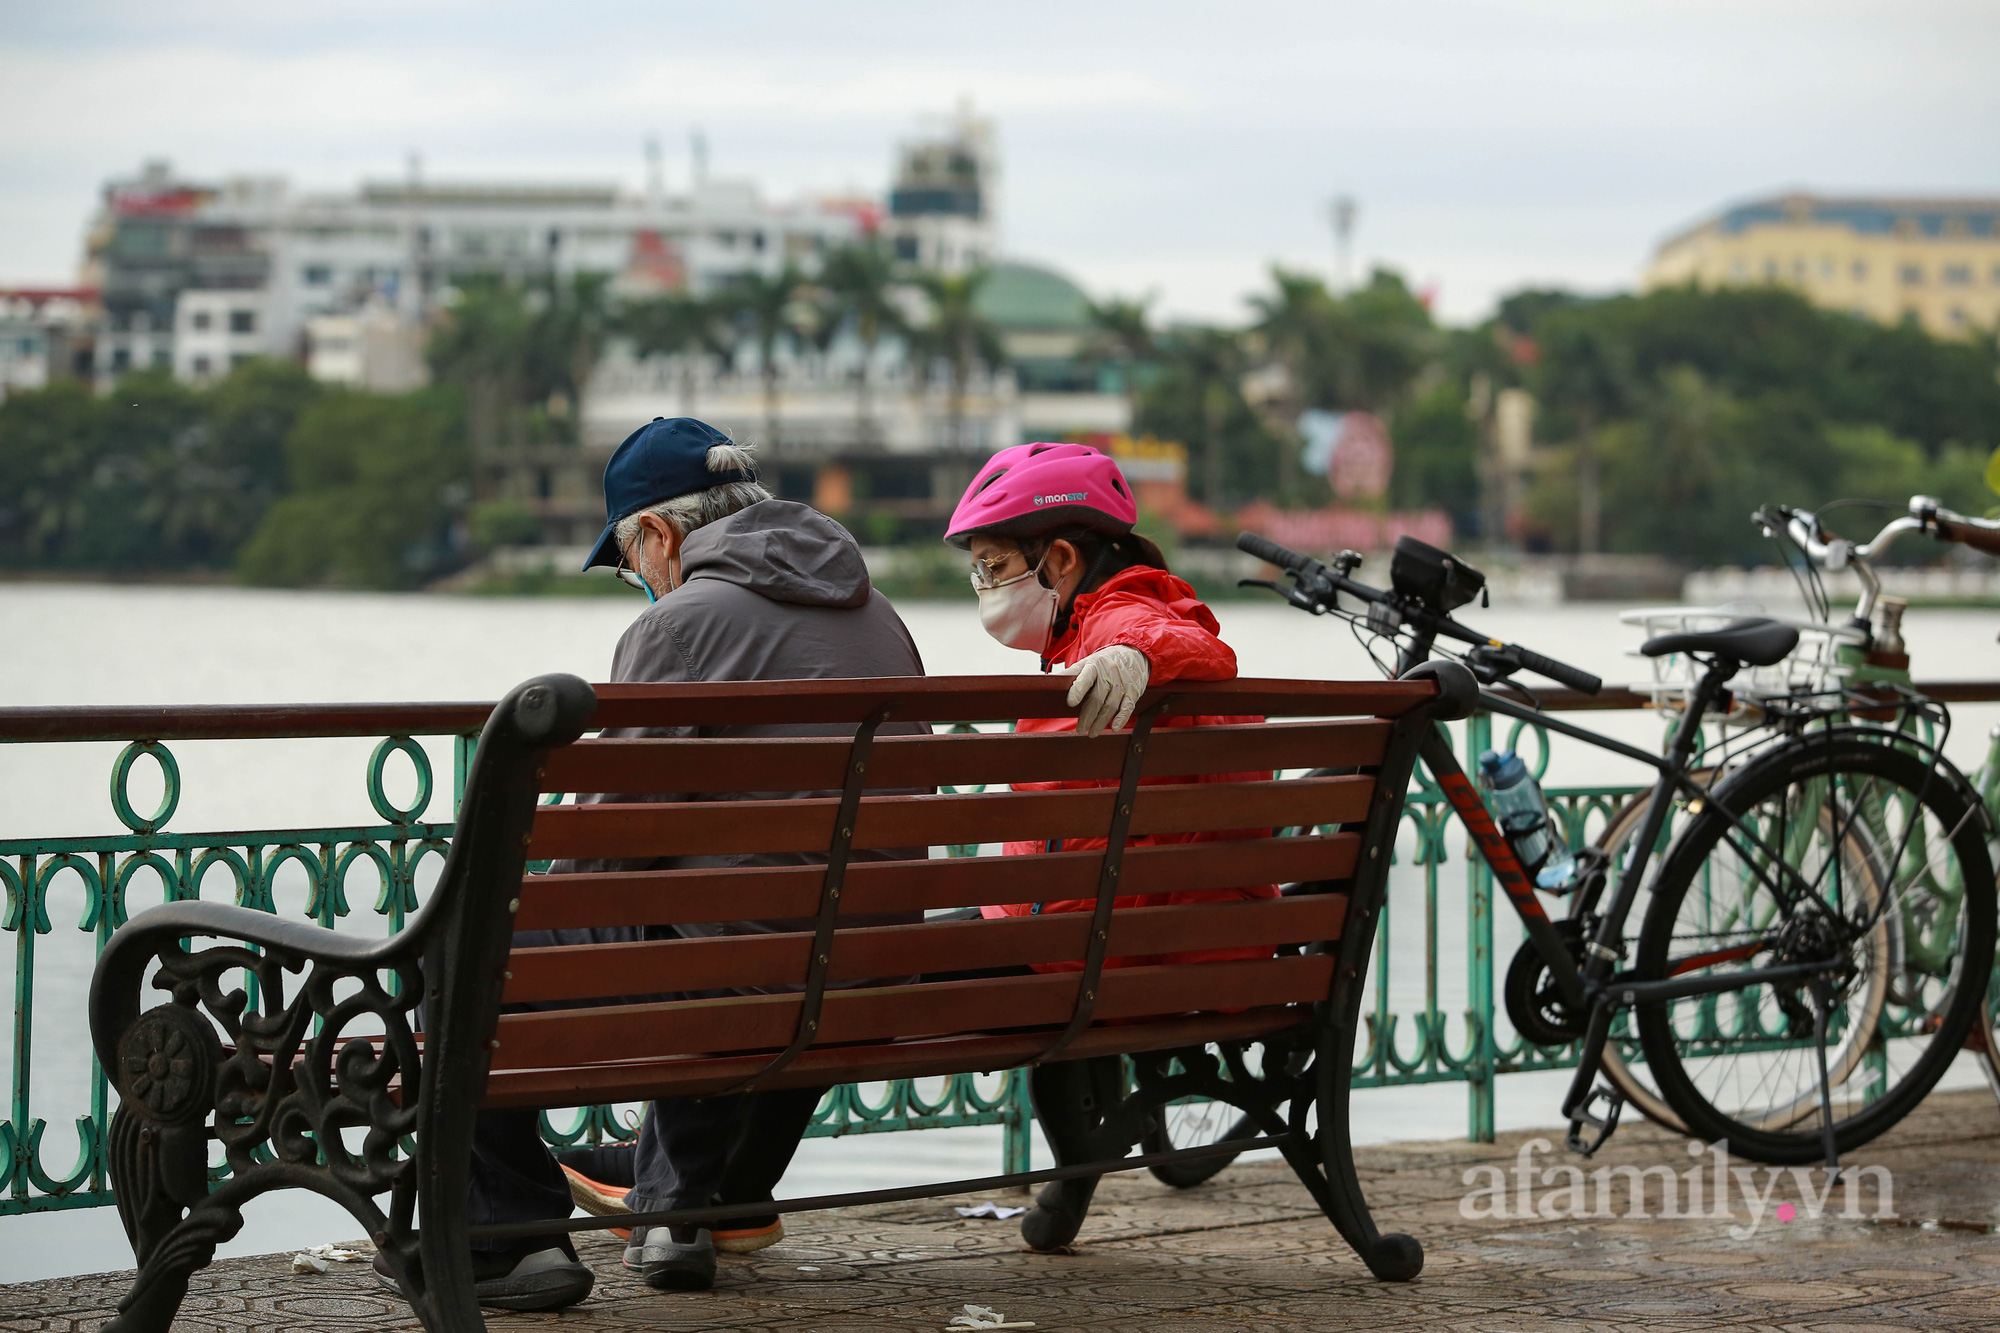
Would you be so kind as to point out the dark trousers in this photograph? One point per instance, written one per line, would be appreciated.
(692, 1152)
(1071, 1097)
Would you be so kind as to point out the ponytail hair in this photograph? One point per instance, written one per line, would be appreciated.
(1104, 553)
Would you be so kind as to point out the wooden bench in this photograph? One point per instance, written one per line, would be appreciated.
(306, 1076)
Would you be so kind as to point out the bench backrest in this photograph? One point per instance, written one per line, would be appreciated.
(846, 1002)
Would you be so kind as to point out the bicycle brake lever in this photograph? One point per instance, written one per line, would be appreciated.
(1296, 595)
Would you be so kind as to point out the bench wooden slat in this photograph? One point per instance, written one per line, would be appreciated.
(595, 971)
(698, 1076)
(766, 764)
(979, 699)
(775, 893)
(697, 828)
(754, 1022)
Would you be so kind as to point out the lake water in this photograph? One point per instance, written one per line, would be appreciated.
(69, 644)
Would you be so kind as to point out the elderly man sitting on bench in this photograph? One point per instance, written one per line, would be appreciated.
(743, 587)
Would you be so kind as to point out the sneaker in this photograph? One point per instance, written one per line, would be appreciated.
(673, 1258)
(599, 1199)
(745, 1235)
(530, 1276)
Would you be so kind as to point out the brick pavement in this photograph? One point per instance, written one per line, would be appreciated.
(1248, 1251)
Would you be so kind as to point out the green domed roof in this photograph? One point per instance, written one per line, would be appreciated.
(1027, 296)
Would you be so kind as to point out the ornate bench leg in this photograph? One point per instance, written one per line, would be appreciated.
(159, 1163)
(150, 1167)
(1395, 1257)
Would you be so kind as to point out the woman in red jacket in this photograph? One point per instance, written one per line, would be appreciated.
(1060, 573)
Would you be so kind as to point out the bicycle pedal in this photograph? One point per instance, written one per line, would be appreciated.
(1604, 1122)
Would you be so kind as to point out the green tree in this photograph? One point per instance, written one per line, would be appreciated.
(862, 279)
(1437, 454)
(1121, 336)
(1584, 368)
(377, 482)
(1198, 397)
(522, 352)
(681, 325)
(958, 335)
(155, 475)
(766, 305)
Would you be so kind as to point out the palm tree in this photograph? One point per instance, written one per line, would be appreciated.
(565, 338)
(682, 325)
(767, 304)
(1212, 361)
(1123, 335)
(1304, 330)
(482, 346)
(862, 279)
(959, 334)
(1583, 367)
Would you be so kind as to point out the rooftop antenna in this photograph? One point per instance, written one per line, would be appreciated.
(656, 172)
(1343, 210)
(700, 149)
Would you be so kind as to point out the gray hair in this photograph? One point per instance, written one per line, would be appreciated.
(696, 509)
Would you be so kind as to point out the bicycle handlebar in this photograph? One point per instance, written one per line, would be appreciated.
(1318, 584)
(1273, 554)
(1559, 672)
(1926, 515)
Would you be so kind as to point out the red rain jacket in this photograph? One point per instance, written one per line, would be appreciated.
(1157, 613)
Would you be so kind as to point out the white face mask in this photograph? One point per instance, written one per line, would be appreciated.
(1020, 613)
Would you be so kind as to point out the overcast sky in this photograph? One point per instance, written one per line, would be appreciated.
(1173, 148)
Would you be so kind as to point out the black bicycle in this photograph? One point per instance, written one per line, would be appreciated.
(1767, 988)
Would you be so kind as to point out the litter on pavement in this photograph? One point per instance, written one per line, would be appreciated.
(980, 1317)
(990, 1209)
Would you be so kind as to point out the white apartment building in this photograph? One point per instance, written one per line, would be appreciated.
(216, 331)
(400, 245)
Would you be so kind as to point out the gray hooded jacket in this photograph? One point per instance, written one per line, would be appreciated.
(776, 591)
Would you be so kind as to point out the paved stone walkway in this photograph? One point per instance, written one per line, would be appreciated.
(1247, 1251)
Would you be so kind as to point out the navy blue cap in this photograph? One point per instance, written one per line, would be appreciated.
(665, 458)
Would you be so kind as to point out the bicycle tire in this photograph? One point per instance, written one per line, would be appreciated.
(1165, 1136)
(1628, 1077)
(1697, 1065)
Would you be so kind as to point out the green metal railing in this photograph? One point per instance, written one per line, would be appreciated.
(109, 870)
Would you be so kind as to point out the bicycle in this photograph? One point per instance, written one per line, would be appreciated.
(1853, 654)
(1759, 980)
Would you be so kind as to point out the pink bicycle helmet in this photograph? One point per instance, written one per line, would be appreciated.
(1031, 488)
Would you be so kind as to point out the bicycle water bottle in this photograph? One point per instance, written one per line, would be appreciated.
(1523, 815)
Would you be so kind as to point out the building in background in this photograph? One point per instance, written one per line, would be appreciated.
(199, 276)
(944, 200)
(46, 334)
(1884, 258)
(373, 349)
(884, 454)
(399, 247)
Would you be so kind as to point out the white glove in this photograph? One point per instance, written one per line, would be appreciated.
(1108, 685)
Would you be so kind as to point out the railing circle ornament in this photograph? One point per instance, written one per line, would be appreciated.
(121, 777)
(379, 798)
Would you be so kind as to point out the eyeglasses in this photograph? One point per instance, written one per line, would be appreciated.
(986, 573)
(627, 575)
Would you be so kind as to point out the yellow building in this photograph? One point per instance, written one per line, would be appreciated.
(1880, 257)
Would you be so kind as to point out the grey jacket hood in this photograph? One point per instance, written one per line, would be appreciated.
(783, 551)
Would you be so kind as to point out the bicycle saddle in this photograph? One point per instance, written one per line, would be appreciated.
(1754, 642)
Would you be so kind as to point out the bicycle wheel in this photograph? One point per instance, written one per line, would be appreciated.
(1841, 850)
(1196, 1122)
